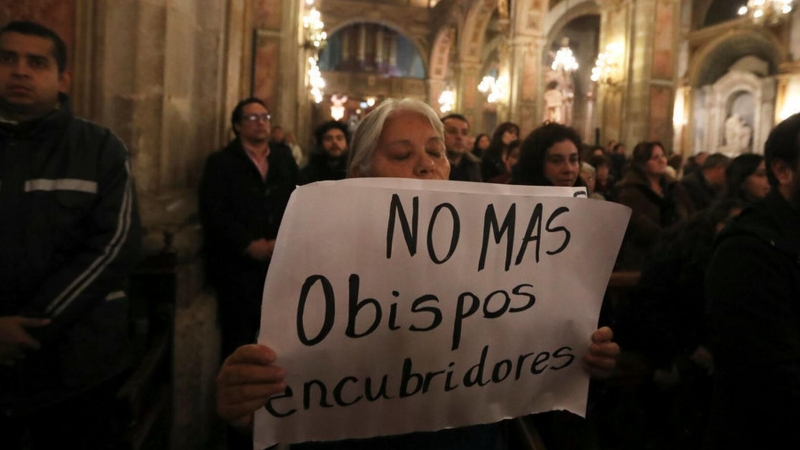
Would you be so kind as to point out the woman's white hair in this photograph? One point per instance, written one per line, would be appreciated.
(368, 132)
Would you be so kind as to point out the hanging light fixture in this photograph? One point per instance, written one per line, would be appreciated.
(315, 39)
(767, 11)
(314, 27)
(447, 100)
(495, 88)
(565, 59)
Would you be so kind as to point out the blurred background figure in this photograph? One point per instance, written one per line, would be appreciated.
(482, 142)
(297, 151)
(657, 201)
(492, 159)
(510, 159)
(588, 176)
(707, 185)
(747, 178)
(604, 182)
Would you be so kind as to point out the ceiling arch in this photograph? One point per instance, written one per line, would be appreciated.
(714, 60)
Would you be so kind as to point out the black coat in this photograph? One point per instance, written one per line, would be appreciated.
(753, 289)
(238, 207)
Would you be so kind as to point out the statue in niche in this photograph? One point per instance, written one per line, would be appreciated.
(554, 104)
(737, 134)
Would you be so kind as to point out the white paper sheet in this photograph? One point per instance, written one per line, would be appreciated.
(487, 303)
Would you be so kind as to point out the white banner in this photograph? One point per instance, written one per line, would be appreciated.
(398, 306)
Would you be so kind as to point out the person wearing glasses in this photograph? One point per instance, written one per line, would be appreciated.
(242, 196)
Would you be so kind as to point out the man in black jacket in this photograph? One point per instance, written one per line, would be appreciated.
(243, 193)
(464, 166)
(69, 234)
(753, 289)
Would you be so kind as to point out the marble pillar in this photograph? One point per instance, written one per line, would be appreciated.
(652, 72)
(469, 100)
(525, 70)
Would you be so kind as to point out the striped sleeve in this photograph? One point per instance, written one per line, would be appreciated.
(110, 250)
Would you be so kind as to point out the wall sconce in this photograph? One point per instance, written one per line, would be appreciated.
(447, 100)
(315, 81)
(605, 68)
(495, 88)
(315, 39)
(371, 101)
(337, 106)
(769, 11)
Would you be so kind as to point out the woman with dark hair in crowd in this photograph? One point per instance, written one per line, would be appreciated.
(482, 142)
(549, 157)
(746, 177)
(657, 202)
(492, 159)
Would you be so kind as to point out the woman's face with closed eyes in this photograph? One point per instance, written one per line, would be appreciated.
(409, 147)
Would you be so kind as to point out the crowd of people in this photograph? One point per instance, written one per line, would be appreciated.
(717, 244)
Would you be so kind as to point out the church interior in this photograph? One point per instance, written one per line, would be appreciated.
(697, 75)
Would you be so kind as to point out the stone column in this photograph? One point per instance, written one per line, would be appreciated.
(469, 100)
(362, 45)
(615, 25)
(652, 72)
(345, 62)
(392, 51)
(380, 63)
(525, 82)
(525, 74)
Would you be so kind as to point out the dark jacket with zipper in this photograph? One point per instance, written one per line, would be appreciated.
(238, 207)
(753, 290)
(69, 233)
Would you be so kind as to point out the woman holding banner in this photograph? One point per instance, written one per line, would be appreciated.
(401, 139)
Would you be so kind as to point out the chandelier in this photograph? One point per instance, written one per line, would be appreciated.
(495, 88)
(565, 60)
(314, 40)
(447, 100)
(313, 27)
(767, 11)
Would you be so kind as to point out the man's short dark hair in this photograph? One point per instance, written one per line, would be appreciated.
(716, 160)
(324, 127)
(783, 143)
(529, 170)
(238, 111)
(34, 29)
(457, 117)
